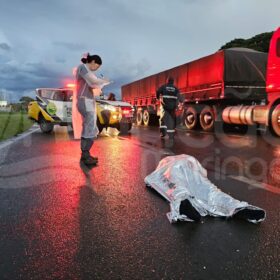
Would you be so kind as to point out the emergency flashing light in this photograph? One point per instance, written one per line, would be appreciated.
(71, 85)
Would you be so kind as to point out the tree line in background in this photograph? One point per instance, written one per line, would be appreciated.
(22, 105)
(259, 42)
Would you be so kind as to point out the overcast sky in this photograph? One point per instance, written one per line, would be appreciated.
(42, 40)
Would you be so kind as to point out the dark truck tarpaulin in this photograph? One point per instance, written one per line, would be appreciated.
(183, 182)
(234, 74)
(244, 74)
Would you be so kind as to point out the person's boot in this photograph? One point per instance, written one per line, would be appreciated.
(162, 132)
(171, 140)
(86, 144)
(171, 136)
(87, 159)
(250, 214)
(187, 209)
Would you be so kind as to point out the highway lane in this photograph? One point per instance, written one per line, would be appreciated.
(60, 220)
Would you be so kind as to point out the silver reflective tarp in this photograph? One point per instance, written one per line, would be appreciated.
(182, 177)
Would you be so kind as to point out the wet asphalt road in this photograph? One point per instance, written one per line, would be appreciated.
(60, 220)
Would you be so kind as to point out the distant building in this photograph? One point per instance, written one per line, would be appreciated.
(4, 107)
(3, 103)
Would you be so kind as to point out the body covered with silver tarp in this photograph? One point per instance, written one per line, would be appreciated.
(182, 178)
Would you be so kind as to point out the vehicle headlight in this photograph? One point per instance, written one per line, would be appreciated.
(110, 108)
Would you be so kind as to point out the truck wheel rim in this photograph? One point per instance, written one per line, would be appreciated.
(139, 118)
(146, 117)
(190, 118)
(275, 120)
(207, 118)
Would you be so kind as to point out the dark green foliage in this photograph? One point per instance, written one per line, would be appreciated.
(26, 99)
(259, 42)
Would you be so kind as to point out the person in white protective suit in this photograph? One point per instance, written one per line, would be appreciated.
(84, 114)
(183, 182)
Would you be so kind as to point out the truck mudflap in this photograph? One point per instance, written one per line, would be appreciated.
(183, 182)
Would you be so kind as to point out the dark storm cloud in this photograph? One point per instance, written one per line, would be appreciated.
(29, 76)
(5, 47)
(40, 70)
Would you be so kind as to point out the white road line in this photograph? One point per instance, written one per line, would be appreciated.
(12, 140)
(256, 184)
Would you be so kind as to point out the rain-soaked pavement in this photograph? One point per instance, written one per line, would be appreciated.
(60, 220)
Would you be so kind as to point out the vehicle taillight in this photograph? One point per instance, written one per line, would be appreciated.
(71, 85)
(126, 111)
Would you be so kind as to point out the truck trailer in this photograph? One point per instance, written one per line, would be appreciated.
(235, 86)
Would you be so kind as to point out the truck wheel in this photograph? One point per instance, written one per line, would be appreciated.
(124, 127)
(275, 120)
(146, 118)
(207, 118)
(45, 126)
(190, 118)
(139, 118)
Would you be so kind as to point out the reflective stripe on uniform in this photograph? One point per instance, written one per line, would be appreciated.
(170, 130)
(169, 96)
(163, 126)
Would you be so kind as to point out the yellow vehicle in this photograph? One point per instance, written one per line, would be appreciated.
(54, 107)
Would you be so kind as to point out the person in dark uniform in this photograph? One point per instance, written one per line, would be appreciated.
(169, 97)
(111, 97)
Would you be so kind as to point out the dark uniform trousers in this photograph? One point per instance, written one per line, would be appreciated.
(167, 122)
(169, 96)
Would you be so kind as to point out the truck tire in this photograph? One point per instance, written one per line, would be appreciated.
(207, 118)
(139, 118)
(124, 127)
(190, 117)
(275, 120)
(146, 118)
(45, 126)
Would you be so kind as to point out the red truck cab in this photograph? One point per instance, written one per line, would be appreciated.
(273, 68)
(273, 81)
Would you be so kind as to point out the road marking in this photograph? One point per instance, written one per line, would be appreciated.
(14, 139)
(255, 184)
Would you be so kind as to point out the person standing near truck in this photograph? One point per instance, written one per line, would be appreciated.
(169, 97)
(111, 97)
(87, 86)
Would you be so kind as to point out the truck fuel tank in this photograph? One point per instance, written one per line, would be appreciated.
(246, 115)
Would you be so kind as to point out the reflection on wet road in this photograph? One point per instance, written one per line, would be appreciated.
(63, 220)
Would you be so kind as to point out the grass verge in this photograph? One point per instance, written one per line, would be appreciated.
(12, 124)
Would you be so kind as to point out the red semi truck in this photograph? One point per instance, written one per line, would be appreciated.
(234, 86)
